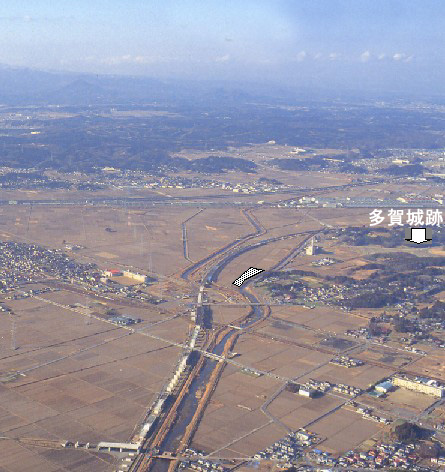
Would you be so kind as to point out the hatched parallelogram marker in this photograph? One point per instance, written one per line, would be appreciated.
(250, 272)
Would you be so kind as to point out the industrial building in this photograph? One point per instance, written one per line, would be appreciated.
(384, 387)
(139, 278)
(118, 447)
(420, 384)
(306, 392)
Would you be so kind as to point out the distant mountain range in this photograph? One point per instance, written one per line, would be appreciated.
(23, 86)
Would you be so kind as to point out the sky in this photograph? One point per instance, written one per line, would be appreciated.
(358, 44)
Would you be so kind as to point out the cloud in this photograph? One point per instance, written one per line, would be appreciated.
(381, 57)
(365, 56)
(301, 56)
(333, 56)
(318, 56)
(402, 57)
(224, 58)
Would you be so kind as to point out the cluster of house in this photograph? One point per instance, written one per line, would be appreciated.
(330, 295)
(415, 350)
(32, 292)
(315, 385)
(73, 247)
(325, 261)
(383, 456)
(346, 361)
(125, 178)
(124, 320)
(24, 263)
(322, 457)
(201, 465)
(174, 181)
(365, 333)
(347, 389)
(120, 178)
(310, 388)
(21, 263)
(290, 448)
(254, 187)
(420, 330)
(368, 415)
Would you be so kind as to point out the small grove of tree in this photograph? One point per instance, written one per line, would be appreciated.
(437, 310)
(372, 300)
(374, 328)
(112, 312)
(407, 432)
(428, 450)
(400, 325)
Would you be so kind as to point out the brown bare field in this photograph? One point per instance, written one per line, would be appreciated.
(284, 220)
(430, 365)
(296, 411)
(343, 431)
(82, 379)
(213, 229)
(277, 357)
(224, 421)
(19, 458)
(393, 358)
(416, 401)
(326, 319)
(361, 377)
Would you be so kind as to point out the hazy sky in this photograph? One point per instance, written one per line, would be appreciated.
(389, 44)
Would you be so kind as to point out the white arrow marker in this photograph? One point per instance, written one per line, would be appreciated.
(418, 236)
(250, 272)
